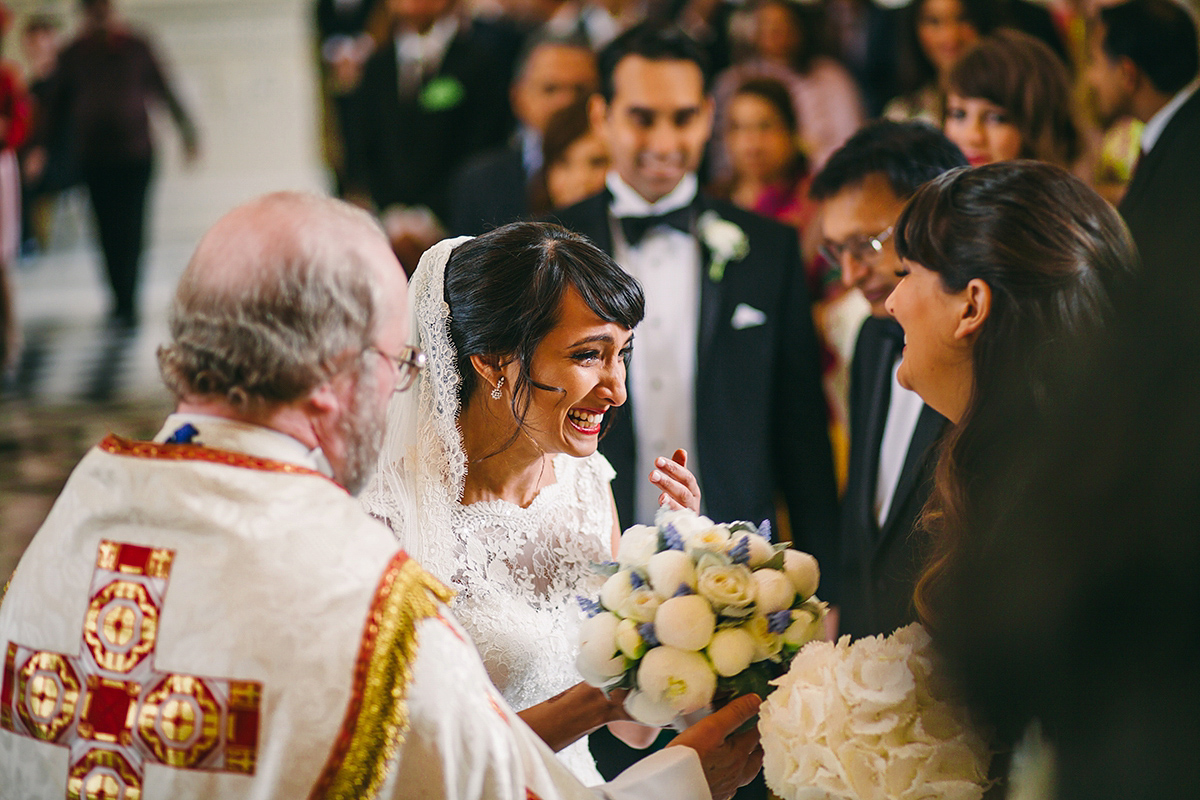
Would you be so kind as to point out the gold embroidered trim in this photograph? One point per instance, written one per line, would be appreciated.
(377, 716)
(119, 446)
(7, 584)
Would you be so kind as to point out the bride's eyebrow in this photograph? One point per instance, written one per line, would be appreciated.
(600, 337)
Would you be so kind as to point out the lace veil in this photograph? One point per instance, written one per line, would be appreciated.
(422, 466)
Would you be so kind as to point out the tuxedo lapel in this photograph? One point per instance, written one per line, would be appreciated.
(711, 293)
(930, 425)
(1143, 175)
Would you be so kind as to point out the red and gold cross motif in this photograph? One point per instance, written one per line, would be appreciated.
(110, 707)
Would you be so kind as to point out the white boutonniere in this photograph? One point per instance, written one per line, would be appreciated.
(725, 240)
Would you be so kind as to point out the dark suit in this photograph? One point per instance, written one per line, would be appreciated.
(760, 414)
(491, 189)
(761, 424)
(1162, 203)
(880, 563)
(406, 151)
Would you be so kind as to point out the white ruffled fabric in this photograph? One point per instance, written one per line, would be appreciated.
(517, 570)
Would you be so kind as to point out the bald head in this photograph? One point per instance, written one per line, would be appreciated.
(278, 296)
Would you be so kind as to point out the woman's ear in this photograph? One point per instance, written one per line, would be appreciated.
(976, 307)
(487, 368)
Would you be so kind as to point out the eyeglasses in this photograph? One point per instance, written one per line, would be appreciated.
(864, 249)
(409, 364)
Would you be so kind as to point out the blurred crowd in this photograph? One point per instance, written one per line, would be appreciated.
(450, 118)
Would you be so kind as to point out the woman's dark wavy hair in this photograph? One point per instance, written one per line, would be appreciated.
(1022, 75)
(505, 291)
(1054, 254)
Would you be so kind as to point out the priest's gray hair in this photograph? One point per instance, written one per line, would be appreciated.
(280, 295)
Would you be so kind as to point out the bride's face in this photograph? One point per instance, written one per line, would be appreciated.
(584, 356)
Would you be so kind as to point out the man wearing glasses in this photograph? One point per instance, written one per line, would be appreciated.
(211, 614)
(863, 188)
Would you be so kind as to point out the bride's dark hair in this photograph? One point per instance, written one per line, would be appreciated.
(1053, 253)
(505, 291)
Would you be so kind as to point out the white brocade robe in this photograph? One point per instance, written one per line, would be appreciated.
(227, 623)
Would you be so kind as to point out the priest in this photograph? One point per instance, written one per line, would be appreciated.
(210, 614)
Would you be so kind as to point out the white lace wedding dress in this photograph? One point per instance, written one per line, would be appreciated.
(517, 570)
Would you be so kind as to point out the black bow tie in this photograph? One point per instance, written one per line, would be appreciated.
(635, 228)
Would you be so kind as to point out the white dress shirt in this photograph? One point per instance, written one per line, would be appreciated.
(904, 408)
(1156, 124)
(419, 55)
(662, 373)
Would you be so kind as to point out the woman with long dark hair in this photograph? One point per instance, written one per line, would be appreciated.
(1008, 267)
(491, 477)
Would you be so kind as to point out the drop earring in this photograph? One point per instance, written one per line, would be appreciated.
(496, 392)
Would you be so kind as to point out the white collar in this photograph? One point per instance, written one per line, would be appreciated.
(242, 437)
(627, 202)
(1156, 124)
(428, 47)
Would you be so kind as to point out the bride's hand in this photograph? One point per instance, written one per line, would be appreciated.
(678, 484)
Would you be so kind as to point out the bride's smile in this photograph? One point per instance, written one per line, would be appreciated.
(578, 374)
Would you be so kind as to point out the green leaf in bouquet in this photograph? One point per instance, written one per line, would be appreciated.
(742, 526)
(606, 568)
(775, 562)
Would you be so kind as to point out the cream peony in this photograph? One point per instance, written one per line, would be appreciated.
(687, 524)
(679, 679)
(802, 571)
(868, 720)
(806, 626)
(640, 605)
(731, 651)
(761, 550)
(636, 546)
(670, 570)
(629, 640)
(599, 661)
(713, 540)
(772, 591)
(730, 588)
(616, 590)
(685, 622)
(766, 644)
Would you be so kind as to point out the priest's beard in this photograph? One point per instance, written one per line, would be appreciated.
(362, 430)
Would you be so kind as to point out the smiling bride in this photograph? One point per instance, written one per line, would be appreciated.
(491, 470)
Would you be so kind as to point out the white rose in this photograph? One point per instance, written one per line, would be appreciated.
(681, 679)
(802, 571)
(685, 522)
(730, 589)
(616, 590)
(714, 539)
(772, 591)
(599, 661)
(760, 550)
(640, 605)
(805, 627)
(685, 622)
(731, 651)
(766, 644)
(669, 570)
(629, 640)
(637, 545)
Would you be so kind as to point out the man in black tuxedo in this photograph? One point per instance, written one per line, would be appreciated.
(429, 99)
(863, 188)
(725, 363)
(492, 188)
(1144, 63)
(747, 404)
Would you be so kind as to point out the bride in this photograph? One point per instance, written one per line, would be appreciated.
(490, 476)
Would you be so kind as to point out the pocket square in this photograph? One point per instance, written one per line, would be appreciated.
(745, 316)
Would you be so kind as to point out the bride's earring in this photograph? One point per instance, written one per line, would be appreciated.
(496, 395)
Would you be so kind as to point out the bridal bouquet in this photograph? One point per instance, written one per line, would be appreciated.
(694, 611)
(864, 721)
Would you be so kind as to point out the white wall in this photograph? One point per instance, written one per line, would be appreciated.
(244, 70)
